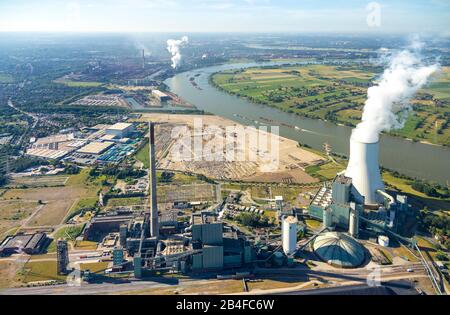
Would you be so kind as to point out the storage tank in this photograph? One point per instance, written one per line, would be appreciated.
(289, 235)
(364, 171)
(383, 240)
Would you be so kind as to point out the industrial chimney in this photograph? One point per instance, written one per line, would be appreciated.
(154, 226)
(364, 171)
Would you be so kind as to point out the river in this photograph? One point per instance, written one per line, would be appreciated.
(407, 157)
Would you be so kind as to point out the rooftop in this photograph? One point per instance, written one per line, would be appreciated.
(339, 250)
(120, 126)
(96, 147)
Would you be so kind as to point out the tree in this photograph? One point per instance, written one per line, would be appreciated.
(253, 220)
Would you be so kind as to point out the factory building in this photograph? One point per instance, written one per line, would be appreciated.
(30, 244)
(120, 130)
(100, 226)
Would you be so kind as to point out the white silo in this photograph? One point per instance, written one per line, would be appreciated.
(364, 171)
(353, 226)
(289, 227)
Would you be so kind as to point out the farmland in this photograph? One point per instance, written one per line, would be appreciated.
(337, 94)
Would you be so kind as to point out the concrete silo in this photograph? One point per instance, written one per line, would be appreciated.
(364, 171)
(289, 235)
(353, 228)
(154, 225)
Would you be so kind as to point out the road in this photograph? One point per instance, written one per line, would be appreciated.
(34, 117)
(334, 278)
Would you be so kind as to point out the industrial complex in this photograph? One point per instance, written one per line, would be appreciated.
(191, 237)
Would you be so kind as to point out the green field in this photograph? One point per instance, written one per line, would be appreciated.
(337, 94)
(419, 199)
(6, 78)
(143, 155)
(81, 84)
(40, 271)
(39, 181)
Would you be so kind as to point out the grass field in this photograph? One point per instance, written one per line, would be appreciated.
(337, 94)
(143, 155)
(69, 233)
(77, 191)
(81, 83)
(418, 199)
(13, 212)
(85, 203)
(39, 271)
(39, 181)
(121, 202)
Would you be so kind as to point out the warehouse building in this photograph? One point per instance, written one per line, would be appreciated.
(120, 130)
(30, 244)
(96, 148)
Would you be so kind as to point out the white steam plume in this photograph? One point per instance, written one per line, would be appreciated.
(387, 105)
(174, 46)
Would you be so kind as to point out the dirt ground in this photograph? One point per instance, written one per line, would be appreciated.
(282, 161)
(53, 213)
(8, 271)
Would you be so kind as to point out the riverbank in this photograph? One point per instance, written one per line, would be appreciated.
(413, 159)
(330, 93)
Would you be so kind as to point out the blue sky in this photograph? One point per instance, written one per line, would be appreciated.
(400, 16)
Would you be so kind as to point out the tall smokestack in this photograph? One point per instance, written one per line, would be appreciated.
(154, 226)
(143, 59)
(364, 171)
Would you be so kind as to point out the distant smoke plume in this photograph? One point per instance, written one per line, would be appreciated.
(387, 105)
(174, 47)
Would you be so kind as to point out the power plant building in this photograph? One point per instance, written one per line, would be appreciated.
(357, 195)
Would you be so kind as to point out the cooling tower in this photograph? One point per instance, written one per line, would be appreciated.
(364, 171)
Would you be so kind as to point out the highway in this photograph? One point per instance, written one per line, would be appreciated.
(334, 278)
